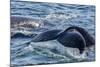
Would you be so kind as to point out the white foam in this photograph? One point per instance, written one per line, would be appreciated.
(72, 53)
(54, 15)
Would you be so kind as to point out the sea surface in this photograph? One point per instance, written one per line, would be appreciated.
(39, 17)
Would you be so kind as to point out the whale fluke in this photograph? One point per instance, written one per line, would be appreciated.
(88, 38)
(73, 40)
(74, 37)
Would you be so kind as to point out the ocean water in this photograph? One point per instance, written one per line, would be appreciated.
(31, 18)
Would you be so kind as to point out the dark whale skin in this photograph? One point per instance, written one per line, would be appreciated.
(46, 36)
(88, 38)
(79, 38)
(73, 40)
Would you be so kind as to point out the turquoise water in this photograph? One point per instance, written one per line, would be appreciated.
(42, 17)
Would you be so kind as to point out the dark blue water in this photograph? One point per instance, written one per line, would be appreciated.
(42, 17)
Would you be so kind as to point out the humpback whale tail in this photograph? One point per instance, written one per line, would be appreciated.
(88, 38)
(73, 40)
(69, 38)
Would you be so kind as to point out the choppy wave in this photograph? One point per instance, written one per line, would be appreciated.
(31, 18)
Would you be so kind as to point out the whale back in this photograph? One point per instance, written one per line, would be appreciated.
(88, 38)
(46, 36)
(18, 19)
(73, 40)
